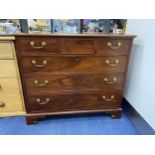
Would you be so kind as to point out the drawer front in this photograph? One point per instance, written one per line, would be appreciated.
(37, 45)
(74, 82)
(77, 46)
(9, 86)
(10, 104)
(113, 47)
(6, 51)
(74, 64)
(7, 69)
(82, 101)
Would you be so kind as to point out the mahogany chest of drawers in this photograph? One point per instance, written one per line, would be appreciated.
(71, 74)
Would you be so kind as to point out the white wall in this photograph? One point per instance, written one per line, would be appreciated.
(140, 82)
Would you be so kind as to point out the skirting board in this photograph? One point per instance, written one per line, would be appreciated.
(138, 121)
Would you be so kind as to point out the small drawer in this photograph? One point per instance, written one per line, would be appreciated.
(79, 64)
(37, 45)
(10, 104)
(76, 101)
(7, 68)
(9, 86)
(80, 82)
(113, 47)
(6, 50)
(77, 46)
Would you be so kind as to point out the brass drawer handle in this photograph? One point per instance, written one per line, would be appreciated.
(109, 44)
(42, 45)
(112, 64)
(114, 79)
(39, 84)
(39, 66)
(43, 102)
(108, 99)
(2, 104)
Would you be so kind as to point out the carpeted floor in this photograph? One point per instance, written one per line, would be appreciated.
(98, 124)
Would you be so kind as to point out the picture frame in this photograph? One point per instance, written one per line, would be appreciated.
(118, 26)
(95, 25)
(9, 26)
(66, 26)
(39, 25)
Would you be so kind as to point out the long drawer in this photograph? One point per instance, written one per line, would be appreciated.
(74, 82)
(82, 64)
(74, 101)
